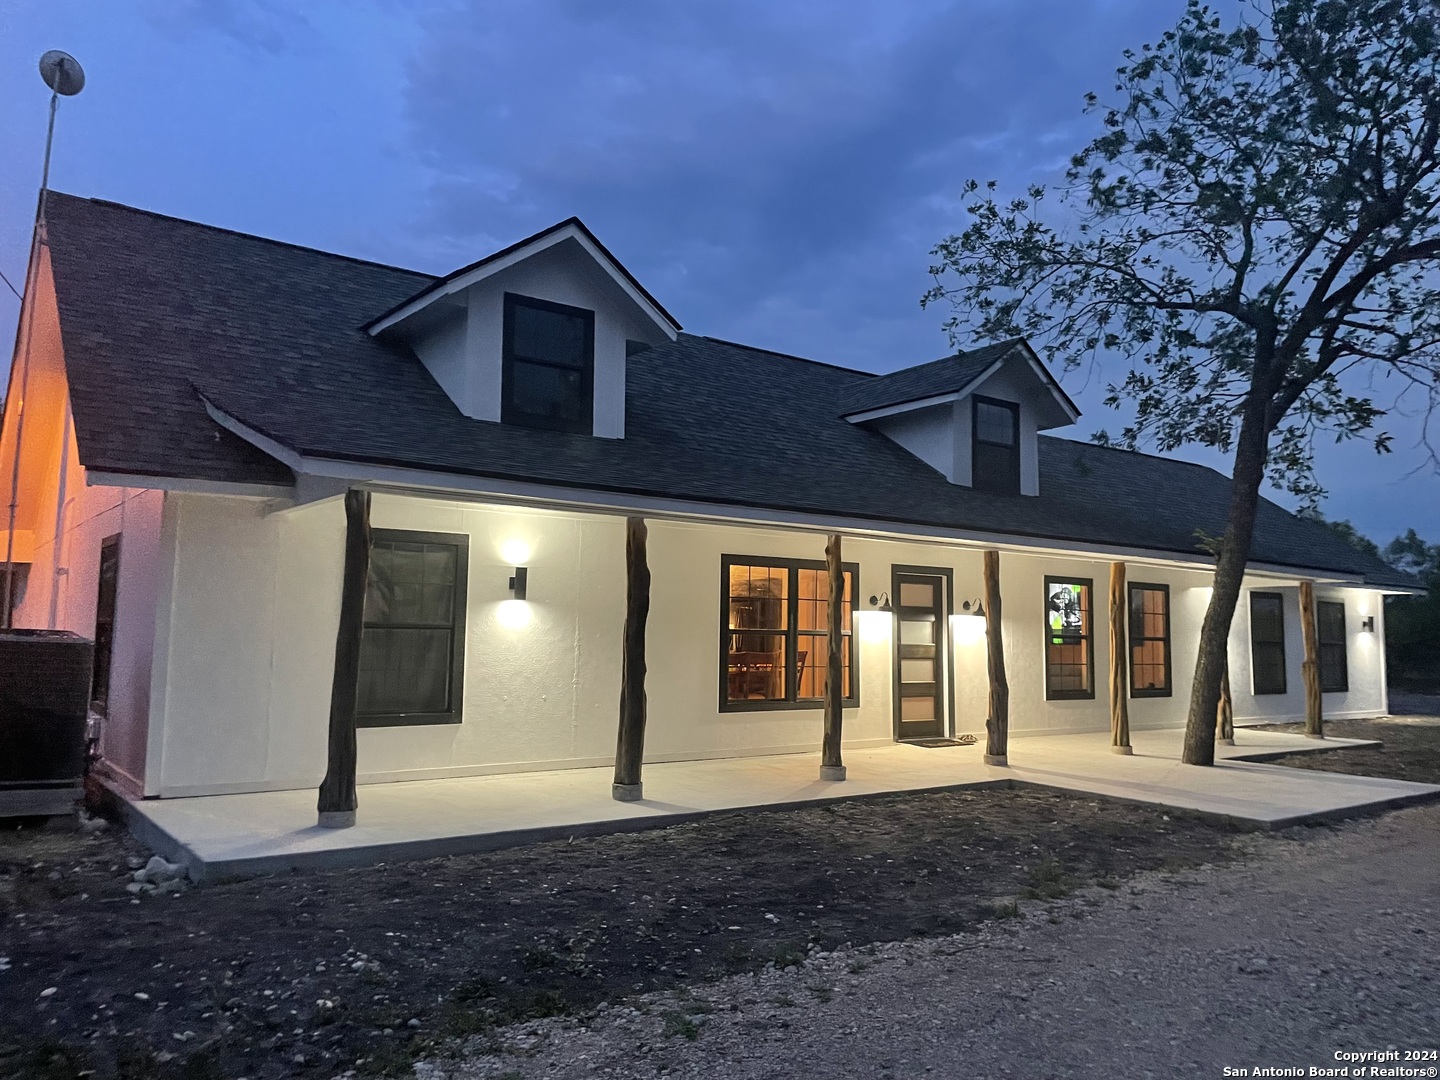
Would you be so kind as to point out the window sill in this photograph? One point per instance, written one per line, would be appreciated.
(406, 720)
(806, 705)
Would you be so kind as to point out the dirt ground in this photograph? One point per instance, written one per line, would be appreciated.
(1410, 750)
(369, 969)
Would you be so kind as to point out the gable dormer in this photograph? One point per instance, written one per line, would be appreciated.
(536, 335)
(974, 416)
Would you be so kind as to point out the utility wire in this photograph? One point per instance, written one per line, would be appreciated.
(12, 287)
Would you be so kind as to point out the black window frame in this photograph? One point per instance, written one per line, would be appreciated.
(453, 715)
(1134, 639)
(791, 702)
(1256, 643)
(1013, 408)
(103, 663)
(1324, 648)
(509, 413)
(1088, 638)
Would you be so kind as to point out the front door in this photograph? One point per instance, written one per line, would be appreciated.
(920, 621)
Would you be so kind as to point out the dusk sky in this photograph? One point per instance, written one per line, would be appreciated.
(775, 173)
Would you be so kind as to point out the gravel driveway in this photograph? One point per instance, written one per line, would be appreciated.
(1326, 940)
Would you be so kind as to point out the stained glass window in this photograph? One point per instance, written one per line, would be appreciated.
(1069, 653)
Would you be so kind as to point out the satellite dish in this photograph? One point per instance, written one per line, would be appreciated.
(62, 73)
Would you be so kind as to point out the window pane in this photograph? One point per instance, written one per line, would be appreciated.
(995, 424)
(1267, 620)
(411, 583)
(756, 667)
(556, 393)
(917, 632)
(1067, 606)
(917, 708)
(995, 468)
(917, 594)
(1330, 621)
(758, 597)
(1069, 668)
(552, 336)
(404, 671)
(1269, 663)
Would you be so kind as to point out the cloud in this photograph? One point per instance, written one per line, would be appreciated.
(762, 161)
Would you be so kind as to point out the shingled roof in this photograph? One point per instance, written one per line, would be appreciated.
(948, 375)
(159, 315)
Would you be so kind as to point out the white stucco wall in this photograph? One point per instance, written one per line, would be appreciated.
(256, 599)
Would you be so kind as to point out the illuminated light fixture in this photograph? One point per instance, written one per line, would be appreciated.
(515, 551)
(973, 608)
(1367, 624)
(881, 602)
(514, 614)
(518, 581)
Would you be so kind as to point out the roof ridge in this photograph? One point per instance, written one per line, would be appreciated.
(236, 232)
(1138, 453)
(787, 356)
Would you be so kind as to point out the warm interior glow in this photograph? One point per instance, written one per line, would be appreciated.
(513, 614)
(967, 629)
(515, 551)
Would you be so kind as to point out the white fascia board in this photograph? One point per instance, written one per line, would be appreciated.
(1043, 374)
(99, 478)
(519, 255)
(421, 483)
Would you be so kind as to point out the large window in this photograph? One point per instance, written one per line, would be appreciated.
(1069, 641)
(1149, 640)
(1334, 664)
(995, 446)
(412, 650)
(1267, 642)
(774, 640)
(548, 378)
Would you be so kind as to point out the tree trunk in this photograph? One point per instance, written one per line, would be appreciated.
(1119, 698)
(831, 766)
(337, 791)
(1251, 450)
(1225, 712)
(997, 724)
(1310, 666)
(630, 749)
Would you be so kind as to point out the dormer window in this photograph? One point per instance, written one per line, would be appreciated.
(548, 377)
(995, 458)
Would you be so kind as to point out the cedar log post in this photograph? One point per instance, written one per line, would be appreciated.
(337, 791)
(1119, 703)
(831, 765)
(997, 724)
(1225, 711)
(630, 749)
(1310, 667)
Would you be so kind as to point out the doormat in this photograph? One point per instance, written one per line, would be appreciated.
(963, 740)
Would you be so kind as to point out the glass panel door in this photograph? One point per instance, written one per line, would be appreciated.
(920, 656)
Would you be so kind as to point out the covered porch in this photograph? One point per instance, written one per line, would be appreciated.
(222, 836)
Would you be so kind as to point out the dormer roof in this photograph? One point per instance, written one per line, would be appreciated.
(570, 230)
(949, 378)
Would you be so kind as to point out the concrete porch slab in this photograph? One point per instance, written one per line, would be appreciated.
(223, 836)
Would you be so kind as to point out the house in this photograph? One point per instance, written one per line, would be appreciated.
(197, 403)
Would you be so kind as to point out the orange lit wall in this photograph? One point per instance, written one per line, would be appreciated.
(60, 524)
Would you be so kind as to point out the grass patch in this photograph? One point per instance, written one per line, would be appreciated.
(788, 954)
(1047, 880)
(678, 1024)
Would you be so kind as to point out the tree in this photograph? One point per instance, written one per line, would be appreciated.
(1251, 235)
(1412, 623)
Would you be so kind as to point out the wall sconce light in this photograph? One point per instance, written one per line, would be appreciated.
(1367, 624)
(881, 602)
(973, 607)
(517, 582)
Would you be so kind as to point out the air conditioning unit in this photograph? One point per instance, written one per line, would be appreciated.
(44, 701)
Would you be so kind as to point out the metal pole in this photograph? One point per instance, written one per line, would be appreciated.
(37, 238)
